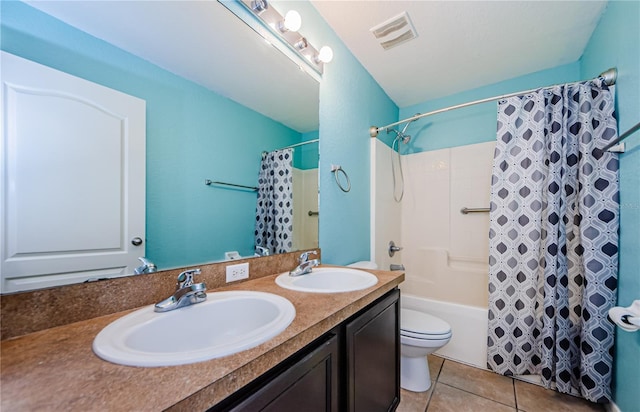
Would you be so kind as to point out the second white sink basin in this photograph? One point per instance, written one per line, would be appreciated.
(224, 324)
(328, 280)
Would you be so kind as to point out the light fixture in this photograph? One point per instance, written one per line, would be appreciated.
(301, 44)
(286, 29)
(292, 22)
(325, 55)
(259, 6)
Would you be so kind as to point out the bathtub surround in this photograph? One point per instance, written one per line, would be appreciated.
(445, 252)
(553, 239)
(385, 212)
(305, 200)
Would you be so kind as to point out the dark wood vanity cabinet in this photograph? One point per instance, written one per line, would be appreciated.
(308, 384)
(372, 362)
(355, 367)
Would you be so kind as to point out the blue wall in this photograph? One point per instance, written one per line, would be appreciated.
(616, 43)
(306, 156)
(473, 124)
(350, 102)
(192, 135)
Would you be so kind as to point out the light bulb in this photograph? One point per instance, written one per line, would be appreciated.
(292, 21)
(326, 54)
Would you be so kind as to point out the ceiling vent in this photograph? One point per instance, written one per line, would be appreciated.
(394, 31)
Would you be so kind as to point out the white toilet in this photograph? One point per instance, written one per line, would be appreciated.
(420, 335)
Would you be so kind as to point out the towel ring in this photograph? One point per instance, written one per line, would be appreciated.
(335, 169)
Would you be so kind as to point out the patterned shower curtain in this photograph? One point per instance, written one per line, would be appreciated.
(554, 238)
(274, 209)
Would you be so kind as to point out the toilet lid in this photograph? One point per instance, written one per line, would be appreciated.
(420, 323)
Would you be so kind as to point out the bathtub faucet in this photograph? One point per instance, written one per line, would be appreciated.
(305, 265)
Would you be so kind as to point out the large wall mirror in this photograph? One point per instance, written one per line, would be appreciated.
(217, 98)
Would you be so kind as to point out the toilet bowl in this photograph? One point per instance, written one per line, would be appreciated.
(420, 335)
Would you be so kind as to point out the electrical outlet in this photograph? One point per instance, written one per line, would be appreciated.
(237, 272)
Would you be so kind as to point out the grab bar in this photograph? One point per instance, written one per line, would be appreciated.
(211, 182)
(466, 210)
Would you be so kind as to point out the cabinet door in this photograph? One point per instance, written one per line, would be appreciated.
(373, 357)
(309, 385)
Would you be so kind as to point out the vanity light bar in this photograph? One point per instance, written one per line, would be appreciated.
(274, 21)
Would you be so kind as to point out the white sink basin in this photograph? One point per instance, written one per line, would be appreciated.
(328, 280)
(224, 324)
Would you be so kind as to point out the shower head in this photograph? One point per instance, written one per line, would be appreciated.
(400, 135)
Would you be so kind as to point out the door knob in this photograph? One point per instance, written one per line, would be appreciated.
(136, 241)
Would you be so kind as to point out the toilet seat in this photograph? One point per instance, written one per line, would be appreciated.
(419, 325)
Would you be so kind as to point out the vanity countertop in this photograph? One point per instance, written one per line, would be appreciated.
(56, 369)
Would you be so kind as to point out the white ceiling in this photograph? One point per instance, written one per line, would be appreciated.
(204, 42)
(462, 45)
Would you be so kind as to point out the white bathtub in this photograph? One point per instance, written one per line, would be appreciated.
(468, 325)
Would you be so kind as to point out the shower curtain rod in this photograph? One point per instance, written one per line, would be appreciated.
(299, 144)
(609, 76)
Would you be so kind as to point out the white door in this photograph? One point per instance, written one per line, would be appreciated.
(72, 178)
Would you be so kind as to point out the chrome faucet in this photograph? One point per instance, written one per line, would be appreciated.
(146, 267)
(262, 251)
(187, 293)
(305, 265)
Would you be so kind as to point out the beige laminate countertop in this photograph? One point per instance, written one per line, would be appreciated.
(56, 369)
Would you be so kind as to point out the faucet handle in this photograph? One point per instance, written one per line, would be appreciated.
(304, 257)
(262, 251)
(185, 279)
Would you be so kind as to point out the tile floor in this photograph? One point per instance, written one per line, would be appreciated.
(457, 387)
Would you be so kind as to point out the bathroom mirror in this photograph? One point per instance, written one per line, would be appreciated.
(188, 222)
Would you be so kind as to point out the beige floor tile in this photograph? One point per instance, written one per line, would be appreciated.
(534, 398)
(415, 401)
(435, 364)
(446, 398)
(477, 381)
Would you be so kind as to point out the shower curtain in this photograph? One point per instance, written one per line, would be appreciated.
(554, 238)
(274, 208)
